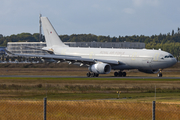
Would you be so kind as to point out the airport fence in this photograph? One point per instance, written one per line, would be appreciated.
(87, 110)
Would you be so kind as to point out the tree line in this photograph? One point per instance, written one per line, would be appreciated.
(169, 42)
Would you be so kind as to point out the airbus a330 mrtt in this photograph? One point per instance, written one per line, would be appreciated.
(103, 60)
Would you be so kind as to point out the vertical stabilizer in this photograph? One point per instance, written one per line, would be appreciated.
(51, 36)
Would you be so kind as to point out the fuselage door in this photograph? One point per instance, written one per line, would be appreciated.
(157, 61)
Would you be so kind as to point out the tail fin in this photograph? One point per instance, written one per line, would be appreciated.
(51, 36)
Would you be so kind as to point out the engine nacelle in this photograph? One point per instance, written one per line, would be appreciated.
(100, 68)
(149, 71)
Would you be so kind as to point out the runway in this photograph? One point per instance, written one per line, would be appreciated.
(50, 76)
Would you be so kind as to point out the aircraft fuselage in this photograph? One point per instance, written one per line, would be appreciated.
(129, 58)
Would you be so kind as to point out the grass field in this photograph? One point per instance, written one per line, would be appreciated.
(86, 98)
(89, 88)
(87, 110)
(83, 88)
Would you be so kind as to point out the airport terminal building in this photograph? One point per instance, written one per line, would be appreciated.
(19, 47)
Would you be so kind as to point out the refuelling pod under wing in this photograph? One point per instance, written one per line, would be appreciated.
(100, 68)
(149, 71)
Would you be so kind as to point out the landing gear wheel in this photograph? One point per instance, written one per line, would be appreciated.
(159, 74)
(88, 74)
(124, 74)
(120, 74)
(93, 74)
(115, 74)
(97, 75)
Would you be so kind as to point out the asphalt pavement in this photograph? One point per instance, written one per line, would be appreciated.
(50, 76)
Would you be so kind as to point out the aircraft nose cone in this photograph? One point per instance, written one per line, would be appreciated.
(174, 61)
(171, 62)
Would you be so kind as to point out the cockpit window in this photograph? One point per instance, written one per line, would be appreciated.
(168, 56)
(171, 56)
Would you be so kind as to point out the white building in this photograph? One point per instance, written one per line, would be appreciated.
(19, 47)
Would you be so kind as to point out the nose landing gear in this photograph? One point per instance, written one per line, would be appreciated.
(160, 73)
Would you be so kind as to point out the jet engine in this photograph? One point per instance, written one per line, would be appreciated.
(100, 68)
(149, 71)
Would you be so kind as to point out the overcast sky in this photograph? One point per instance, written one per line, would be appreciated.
(99, 17)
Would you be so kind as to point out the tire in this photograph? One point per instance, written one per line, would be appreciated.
(120, 74)
(93, 74)
(97, 75)
(159, 74)
(88, 74)
(115, 74)
(124, 74)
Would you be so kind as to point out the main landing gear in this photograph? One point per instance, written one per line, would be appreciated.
(91, 74)
(120, 74)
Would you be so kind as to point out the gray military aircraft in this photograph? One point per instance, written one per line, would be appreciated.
(103, 60)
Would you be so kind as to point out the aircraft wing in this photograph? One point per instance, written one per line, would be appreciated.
(68, 58)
